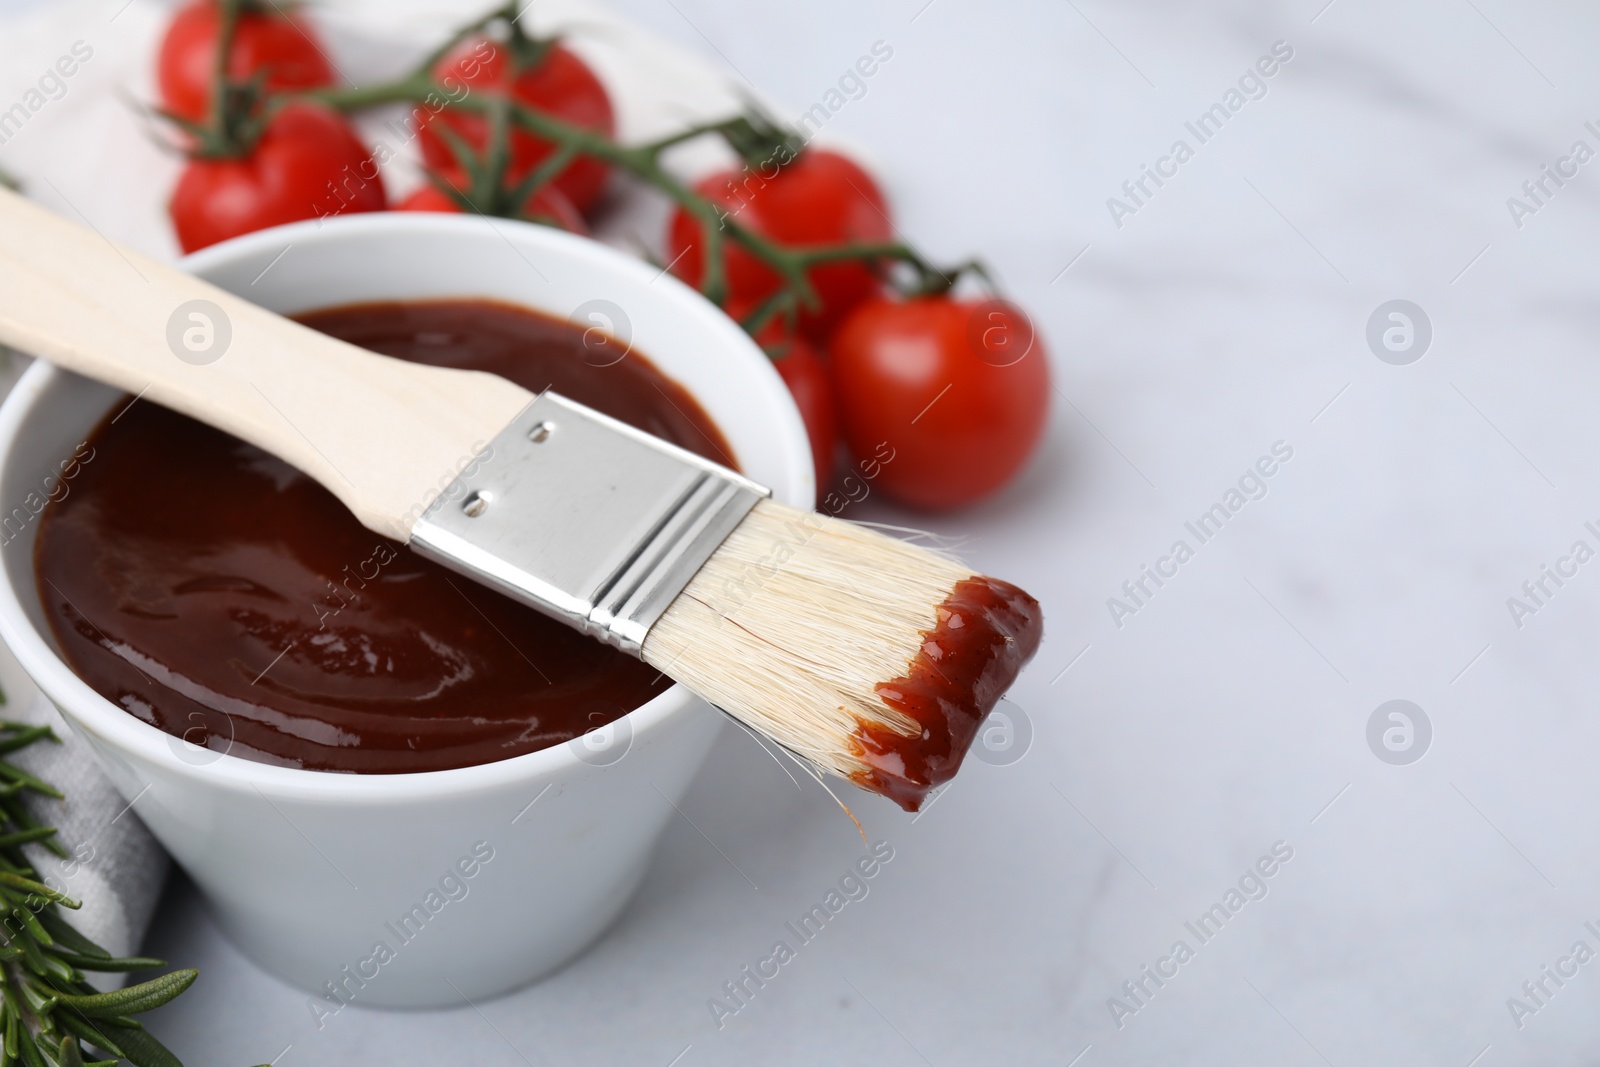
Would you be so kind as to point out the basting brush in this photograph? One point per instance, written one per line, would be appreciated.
(868, 656)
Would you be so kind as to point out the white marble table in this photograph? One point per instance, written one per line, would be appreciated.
(1229, 714)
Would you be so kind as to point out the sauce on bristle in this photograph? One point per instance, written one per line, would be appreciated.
(986, 631)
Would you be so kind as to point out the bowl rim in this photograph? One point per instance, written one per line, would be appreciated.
(86, 710)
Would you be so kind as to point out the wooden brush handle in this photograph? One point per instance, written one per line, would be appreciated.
(382, 434)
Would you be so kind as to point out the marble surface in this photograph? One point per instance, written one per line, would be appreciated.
(1228, 715)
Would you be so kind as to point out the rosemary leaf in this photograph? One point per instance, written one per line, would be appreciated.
(30, 1051)
(145, 996)
(142, 1050)
(65, 935)
(39, 889)
(22, 837)
(107, 964)
(81, 1028)
(45, 1004)
(23, 778)
(31, 925)
(24, 736)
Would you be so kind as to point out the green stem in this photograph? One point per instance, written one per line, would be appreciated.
(718, 228)
(411, 88)
(687, 134)
(217, 117)
(541, 176)
(780, 302)
(498, 152)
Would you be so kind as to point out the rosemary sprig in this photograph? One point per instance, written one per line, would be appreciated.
(49, 1014)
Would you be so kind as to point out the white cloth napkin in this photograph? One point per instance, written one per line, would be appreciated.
(115, 867)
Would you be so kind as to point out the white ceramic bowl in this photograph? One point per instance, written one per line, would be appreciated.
(311, 872)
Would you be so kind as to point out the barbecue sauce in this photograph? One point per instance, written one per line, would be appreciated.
(984, 632)
(217, 593)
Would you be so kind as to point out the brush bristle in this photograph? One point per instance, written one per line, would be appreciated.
(800, 626)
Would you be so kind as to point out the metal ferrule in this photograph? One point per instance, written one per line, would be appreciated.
(585, 518)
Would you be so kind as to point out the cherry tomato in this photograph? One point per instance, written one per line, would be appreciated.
(270, 40)
(308, 164)
(561, 85)
(819, 197)
(802, 368)
(548, 206)
(958, 389)
(806, 376)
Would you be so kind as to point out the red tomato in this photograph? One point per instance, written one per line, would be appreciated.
(308, 164)
(959, 389)
(806, 376)
(561, 85)
(272, 40)
(547, 205)
(818, 198)
(805, 372)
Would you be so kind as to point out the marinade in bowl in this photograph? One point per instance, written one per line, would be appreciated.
(217, 593)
